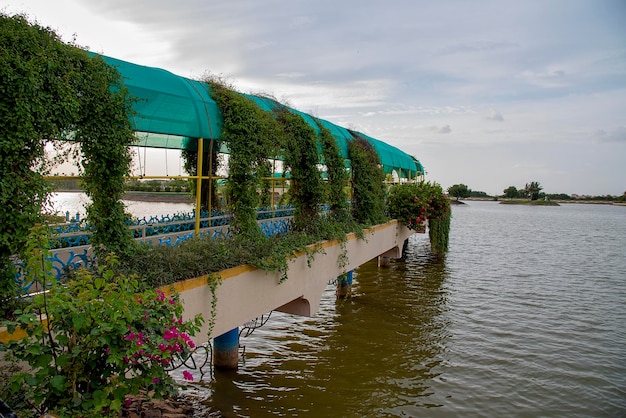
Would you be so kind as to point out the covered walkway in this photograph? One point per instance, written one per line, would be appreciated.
(175, 112)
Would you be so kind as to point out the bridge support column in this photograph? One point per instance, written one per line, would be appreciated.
(226, 350)
(384, 261)
(344, 285)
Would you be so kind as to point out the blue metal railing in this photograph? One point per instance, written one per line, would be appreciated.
(71, 249)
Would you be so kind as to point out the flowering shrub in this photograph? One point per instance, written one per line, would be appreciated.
(103, 341)
(414, 203)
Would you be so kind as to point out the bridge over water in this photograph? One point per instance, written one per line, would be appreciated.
(174, 112)
(246, 292)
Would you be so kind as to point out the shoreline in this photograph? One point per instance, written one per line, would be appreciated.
(166, 197)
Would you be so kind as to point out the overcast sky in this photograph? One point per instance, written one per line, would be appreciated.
(485, 93)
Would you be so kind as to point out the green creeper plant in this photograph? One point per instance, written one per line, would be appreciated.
(338, 176)
(252, 135)
(52, 91)
(210, 164)
(368, 182)
(415, 203)
(302, 158)
(105, 135)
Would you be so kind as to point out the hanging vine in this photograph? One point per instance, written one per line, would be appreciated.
(338, 176)
(55, 91)
(251, 135)
(105, 134)
(419, 204)
(368, 182)
(301, 159)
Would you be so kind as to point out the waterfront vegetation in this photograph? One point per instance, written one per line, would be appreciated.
(544, 202)
(93, 342)
(419, 204)
(104, 333)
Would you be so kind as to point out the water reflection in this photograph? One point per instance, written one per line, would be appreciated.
(374, 354)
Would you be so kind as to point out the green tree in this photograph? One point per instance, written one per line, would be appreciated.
(511, 192)
(459, 191)
(532, 190)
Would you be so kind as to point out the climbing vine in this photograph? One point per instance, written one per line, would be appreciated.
(105, 135)
(337, 175)
(368, 182)
(54, 91)
(301, 159)
(251, 135)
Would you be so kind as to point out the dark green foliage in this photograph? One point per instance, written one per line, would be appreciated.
(368, 183)
(29, 115)
(105, 135)
(511, 192)
(252, 135)
(162, 265)
(414, 203)
(439, 234)
(301, 157)
(338, 176)
(532, 189)
(103, 340)
(50, 91)
(459, 191)
(265, 172)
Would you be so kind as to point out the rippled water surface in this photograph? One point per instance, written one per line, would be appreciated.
(526, 317)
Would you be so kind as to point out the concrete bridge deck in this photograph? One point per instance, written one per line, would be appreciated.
(246, 292)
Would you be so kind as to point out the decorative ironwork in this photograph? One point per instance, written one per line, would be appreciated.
(251, 326)
(197, 359)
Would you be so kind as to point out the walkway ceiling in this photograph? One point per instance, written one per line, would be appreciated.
(171, 111)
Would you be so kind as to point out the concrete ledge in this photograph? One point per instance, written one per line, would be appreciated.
(246, 292)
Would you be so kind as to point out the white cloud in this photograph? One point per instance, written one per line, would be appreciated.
(495, 115)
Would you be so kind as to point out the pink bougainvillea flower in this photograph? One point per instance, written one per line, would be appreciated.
(156, 380)
(187, 376)
(160, 295)
(170, 334)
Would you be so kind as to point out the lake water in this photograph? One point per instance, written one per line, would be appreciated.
(75, 203)
(525, 317)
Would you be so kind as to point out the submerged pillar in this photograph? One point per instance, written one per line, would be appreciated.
(226, 350)
(344, 285)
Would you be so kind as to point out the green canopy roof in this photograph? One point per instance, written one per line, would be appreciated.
(173, 112)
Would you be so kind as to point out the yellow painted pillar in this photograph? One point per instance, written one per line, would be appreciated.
(199, 185)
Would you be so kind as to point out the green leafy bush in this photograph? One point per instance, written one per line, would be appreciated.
(99, 342)
(415, 203)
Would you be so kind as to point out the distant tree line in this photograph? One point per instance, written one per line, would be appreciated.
(532, 191)
(170, 185)
(461, 191)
